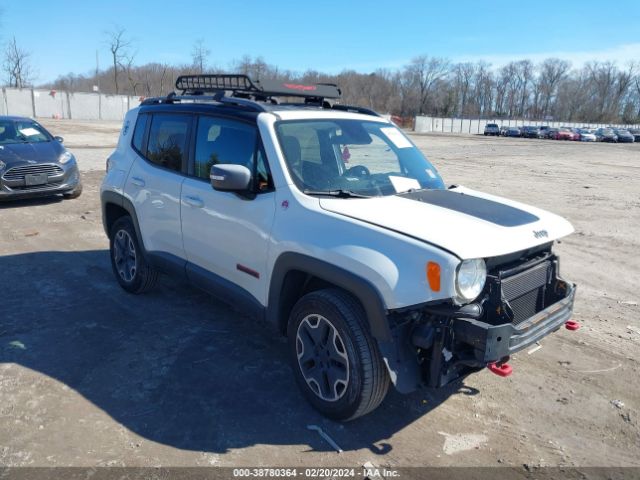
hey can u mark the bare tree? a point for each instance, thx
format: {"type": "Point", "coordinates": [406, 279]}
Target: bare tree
{"type": "Point", "coordinates": [463, 76]}
{"type": "Point", "coordinates": [598, 92]}
{"type": "Point", "coordinates": [199, 55]}
{"type": "Point", "coordinates": [552, 71]}
{"type": "Point", "coordinates": [524, 73]}
{"type": "Point", "coordinates": [128, 66]}
{"type": "Point", "coordinates": [118, 46]}
{"type": "Point", "coordinates": [17, 65]}
{"type": "Point", "coordinates": [426, 72]}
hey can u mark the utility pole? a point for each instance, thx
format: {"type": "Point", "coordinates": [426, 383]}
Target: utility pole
{"type": "Point", "coordinates": [97, 85]}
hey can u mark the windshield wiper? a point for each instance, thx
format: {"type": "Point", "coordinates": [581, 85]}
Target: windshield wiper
{"type": "Point", "coordinates": [412, 190]}
{"type": "Point", "coordinates": [340, 193]}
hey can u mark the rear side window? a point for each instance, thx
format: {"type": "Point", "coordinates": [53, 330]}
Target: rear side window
{"type": "Point", "coordinates": [138, 134]}
{"type": "Point", "coordinates": [168, 140]}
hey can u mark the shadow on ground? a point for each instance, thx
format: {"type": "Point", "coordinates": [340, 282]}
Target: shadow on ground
{"type": "Point", "coordinates": [174, 366]}
{"type": "Point", "coordinates": [30, 202]}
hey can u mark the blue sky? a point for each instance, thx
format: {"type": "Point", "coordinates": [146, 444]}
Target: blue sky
{"type": "Point", "coordinates": [323, 35]}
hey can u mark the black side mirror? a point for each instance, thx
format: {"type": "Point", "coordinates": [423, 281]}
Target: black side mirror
{"type": "Point", "coordinates": [230, 178]}
{"type": "Point", "coordinates": [59, 139]}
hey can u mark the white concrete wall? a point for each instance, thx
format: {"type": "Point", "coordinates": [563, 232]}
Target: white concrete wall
{"type": "Point", "coordinates": [114, 107]}
{"type": "Point", "coordinates": [84, 106]}
{"type": "Point", "coordinates": [19, 102]}
{"type": "Point", "coordinates": [3, 103]}
{"type": "Point", "coordinates": [425, 124]}
{"type": "Point", "coordinates": [50, 104]}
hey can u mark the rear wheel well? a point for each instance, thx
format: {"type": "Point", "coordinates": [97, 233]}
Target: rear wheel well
{"type": "Point", "coordinates": [112, 213]}
{"type": "Point", "coordinates": [296, 284]}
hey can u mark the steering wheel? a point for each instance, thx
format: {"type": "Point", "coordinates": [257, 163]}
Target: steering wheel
{"type": "Point", "coordinates": [359, 171]}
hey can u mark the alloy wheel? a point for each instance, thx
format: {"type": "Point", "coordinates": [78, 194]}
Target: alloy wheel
{"type": "Point", "coordinates": [322, 357]}
{"type": "Point", "coordinates": [124, 255]}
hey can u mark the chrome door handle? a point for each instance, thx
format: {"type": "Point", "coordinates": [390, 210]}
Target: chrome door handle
{"type": "Point", "coordinates": [193, 201]}
{"type": "Point", "coordinates": [137, 181]}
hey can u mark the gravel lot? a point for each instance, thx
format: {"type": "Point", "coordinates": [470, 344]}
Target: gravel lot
{"type": "Point", "coordinates": [91, 376]}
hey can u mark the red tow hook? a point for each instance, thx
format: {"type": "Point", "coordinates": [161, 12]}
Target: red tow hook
{"type": "Point", "coordinates": [502, 370]}
{"type": "Point", "coordinates": [572, 325]}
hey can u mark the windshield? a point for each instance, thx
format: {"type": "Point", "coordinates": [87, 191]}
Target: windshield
{"type": "Point", "coordinates": [27, 131]}
{"type": "Point", "coordinates": [362, 157]}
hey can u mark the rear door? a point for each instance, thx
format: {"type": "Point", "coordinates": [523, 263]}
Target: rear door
{"type": "Point", "coordinates": [155, 181]}
{"type": "Point", "coordinates": [226, 236]}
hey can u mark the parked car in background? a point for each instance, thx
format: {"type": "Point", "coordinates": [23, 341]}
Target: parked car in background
{"type": "Point", "coordinates": [513, 132]}
{"type": "Point", "coordinates": [550, 133]}
{"type": "Point", "coordinates": [569, 133]}
{"type": "Point", "coordinates": [503, 130]}
{"type": "Point", "coordinates": [562, 133]}
{"type": "Point", "coordinates": [586, 135]}
{"type": "Point", "coordinates": [34, 163]}
{"type": "Point", "coordinates": [624, 136]}
{"type": "Point", "coordinates": [636, 134]}
{"type": "Point", "coordinates": [530, 132]}
{"type": "Point", "coordinates": [542, 131]}
{"type": "Point", "coordinates": [492, 129]}
{"type": "Point", "coordinates": [606, 135]}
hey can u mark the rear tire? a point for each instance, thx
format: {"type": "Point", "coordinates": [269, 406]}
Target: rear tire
{"type": "Point", "coordinates": [130, 267]}
{"type": "Point", "coordinates": [336, 362]}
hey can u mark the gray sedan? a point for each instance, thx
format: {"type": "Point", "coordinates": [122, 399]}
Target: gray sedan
{"type": "Point", "coordinates": [34, 163]}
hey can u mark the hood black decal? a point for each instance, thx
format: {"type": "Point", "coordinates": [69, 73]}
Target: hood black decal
{"type": "Point", "coordinates": [488, 210]}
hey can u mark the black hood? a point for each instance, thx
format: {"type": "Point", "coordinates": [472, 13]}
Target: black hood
{"type": "Point", "coordinates": [15, 154]}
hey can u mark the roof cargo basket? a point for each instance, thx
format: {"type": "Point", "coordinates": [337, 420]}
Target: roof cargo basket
{"type": "Point", "coordinates": [243, 86]}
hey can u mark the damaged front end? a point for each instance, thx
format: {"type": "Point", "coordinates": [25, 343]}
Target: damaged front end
{"type": "Point", "coordinates": [524, 300]}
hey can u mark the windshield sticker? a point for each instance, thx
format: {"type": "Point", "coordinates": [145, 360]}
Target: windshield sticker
{"type": "Point", "coordinates": [28, 132]}
{"type": "Point", "coordinates": [402, 184]}
{"type": "Point", "coordinates": [396, 137]}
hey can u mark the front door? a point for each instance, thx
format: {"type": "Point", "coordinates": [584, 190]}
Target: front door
{"type": "Point", "coordinates": [225, 234]}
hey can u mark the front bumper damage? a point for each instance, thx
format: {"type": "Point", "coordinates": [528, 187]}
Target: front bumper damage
{"type": "Point", "coordinates": [435, 344]}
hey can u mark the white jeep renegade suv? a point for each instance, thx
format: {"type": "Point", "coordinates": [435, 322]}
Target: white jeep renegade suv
{"type": "Point", "coordinates": [326, 221]}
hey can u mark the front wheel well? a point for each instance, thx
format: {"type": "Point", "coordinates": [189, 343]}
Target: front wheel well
{"type": "Point", "coordinates": [296, 284]}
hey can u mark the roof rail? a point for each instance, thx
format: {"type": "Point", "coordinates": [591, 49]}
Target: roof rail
{"type": "Point", "coordinates": [354, 109]}
{"type": "Point", "coordinates": [172, 98]}
{"type": "Point", "coordinates": [243, 86]}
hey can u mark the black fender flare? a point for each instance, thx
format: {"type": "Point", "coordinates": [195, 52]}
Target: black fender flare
{"type": "Point", "coordinates": [121, 201]}
{"type": "Point", "coordinates": [362, 289]}
{"type": "Point", "coordinates": [400, 359]}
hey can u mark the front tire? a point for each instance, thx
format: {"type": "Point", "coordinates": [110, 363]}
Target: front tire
{"type": "Point", "coordinates": [130, 267]}
{"type": "Point", "coordinates": [336, 362]}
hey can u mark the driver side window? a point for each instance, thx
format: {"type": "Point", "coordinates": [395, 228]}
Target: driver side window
{"type": "Point", "coordinates": [223, 141]}
{"type": "Point", "coordinates": [219, 140]}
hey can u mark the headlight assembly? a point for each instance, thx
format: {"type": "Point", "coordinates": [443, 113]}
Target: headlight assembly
{"type": "Point", "coordinates": [471, 276]}
{"type": "Point", "coordinates": [65, 157]}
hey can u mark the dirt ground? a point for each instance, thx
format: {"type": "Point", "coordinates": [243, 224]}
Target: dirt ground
{"type": "Point", "coordinates": [92, 376]}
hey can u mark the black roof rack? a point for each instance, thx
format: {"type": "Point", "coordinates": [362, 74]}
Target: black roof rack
{"type": "Point", "coordinates": [243, 86]}
{"type": "Point", "coordinates": [255, 96]}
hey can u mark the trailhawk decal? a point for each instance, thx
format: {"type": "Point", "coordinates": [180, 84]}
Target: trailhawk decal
{"type": "Point", "coordinates": [494, 212]}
